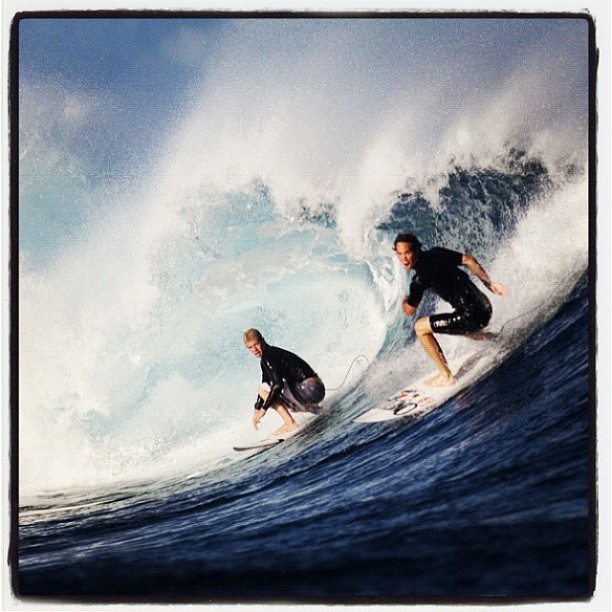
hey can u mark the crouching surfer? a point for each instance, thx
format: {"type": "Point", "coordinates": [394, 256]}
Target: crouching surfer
{"type": "Point", "coordinates": [288, 383]}
{"type": "Point", "coordinates": [438, 270]}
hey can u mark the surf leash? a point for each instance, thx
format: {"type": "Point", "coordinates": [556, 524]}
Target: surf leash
{"type": "Point", "coordinates": [519, 316]}
{"type": "Point", "coordinates": [349, 371]}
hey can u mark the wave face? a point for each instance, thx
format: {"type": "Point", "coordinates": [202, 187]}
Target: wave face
{"type": "Point", "coordinates": [486, 495]}
{"type": "Point", "coordinates": [270, 198]}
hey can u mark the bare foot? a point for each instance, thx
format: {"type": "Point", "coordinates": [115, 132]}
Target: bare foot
{"type": "Point", "coordinates": [442, 380]}
{"type": "Point", "coordinates": [285, 429]}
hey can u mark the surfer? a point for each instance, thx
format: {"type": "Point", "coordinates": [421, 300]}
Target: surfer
{"type": "Point", "coordinates": [288, 383]}
{"type": "Point", "coordinates": [438, 270]}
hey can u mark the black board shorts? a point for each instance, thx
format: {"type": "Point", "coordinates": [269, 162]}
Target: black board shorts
{"type": "Point", "coordinates": [465, 321]}
{"type": "Point", "coordinates": [309, 392]}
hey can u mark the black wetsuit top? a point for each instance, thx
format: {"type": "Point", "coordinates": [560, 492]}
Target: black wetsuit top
{"type": "Point", "coordinates": [278, 365]}
{"type": "Point", "coordinates": [438, 270]}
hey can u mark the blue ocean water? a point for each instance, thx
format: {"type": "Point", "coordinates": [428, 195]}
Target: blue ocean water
{"type": "Point", "coordinates": [276, 207]}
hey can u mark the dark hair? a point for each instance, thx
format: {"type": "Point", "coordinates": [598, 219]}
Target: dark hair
{"type": "Point", "coordinates": [411, 239]}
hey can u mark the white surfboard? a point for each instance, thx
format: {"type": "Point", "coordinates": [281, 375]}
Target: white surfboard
{"type": "Point", "coordinates": [271, 441]}
{"type": "Point", "coordinates": [260, 444]}
{"type": "Point", "coordinates": [417, 399]}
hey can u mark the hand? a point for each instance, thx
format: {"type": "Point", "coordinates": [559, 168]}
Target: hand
{"type": "Point", "coordinates": [257, 415]}
{"type": "Point", "coordinates": [407, 308]}
{"type": "Point", "coordinates": [498, 289]}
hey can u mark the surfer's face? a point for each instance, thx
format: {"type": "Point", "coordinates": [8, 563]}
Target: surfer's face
{"type": "Point", "coordinates": [406, 255]}
{"type": "Point", "coordinates": [255, 347]}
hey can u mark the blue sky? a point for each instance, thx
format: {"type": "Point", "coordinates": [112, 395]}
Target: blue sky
{"type": "Point", "coordinates": [155, 59]}
{"type": "Point", "coordinates": [111, 52]}
{"type": "Point", "coordinates": [146, 66]}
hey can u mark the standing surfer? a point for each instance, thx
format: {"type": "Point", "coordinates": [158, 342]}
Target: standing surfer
{"type": "Point", "coordinates": [288, 382]}
{"type": "Point", "coordinates": [438, 270]}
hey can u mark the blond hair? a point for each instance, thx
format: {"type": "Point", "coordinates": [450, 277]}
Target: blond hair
{"type": "Point", "coordinates": [253, 334]}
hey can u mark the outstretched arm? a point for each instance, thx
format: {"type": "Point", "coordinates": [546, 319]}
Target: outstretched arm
{"type": "Point", "coordinates": [479, 272]}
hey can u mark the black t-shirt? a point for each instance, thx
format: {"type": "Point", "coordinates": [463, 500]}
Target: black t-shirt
{"type": "Point", "coordinates": [438, 270]}
{"type": "Point", "coordinates": [278, 365]}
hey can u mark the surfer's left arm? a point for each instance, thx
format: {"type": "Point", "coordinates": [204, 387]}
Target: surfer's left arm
{"type": "Point", "coordinates": [472, 264]}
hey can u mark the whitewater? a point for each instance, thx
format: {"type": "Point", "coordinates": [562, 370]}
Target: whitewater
{"type": "Point", "coordinates": [271, 200]}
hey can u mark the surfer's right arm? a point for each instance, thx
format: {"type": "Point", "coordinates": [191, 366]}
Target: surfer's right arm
{"type": "Point", "coordinates": [264, 392]}
{"type": "Point", "coordinates": [262, 396]}
{"type": "Point", "coordinates": [411, 302]}
{"type": "Point", "coordinates": [274, 382]}
{"type": "Point", "coordinates": [257, 416]}
{"type": "Point", "coordinates": [271, 386]}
